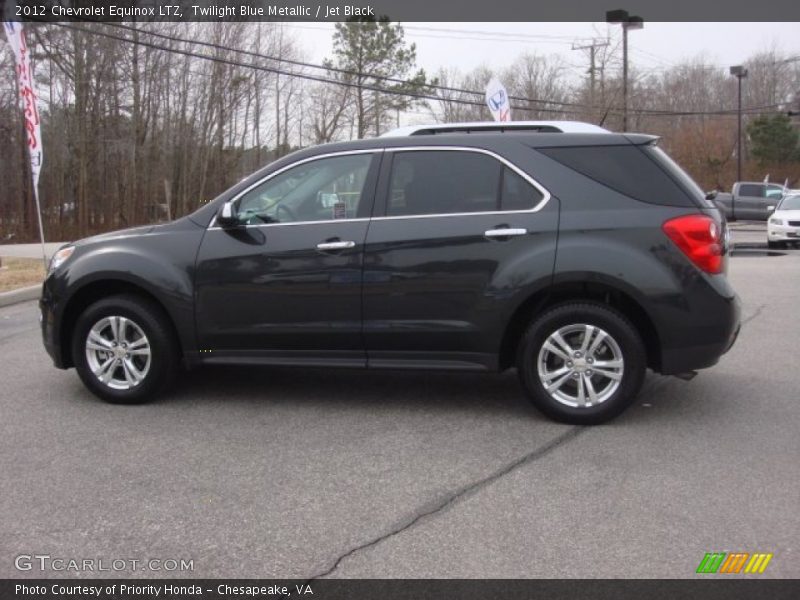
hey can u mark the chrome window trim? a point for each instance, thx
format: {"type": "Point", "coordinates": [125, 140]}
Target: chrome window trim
{"type": "Point", "coordinates": [237, 197]}
{"type": "Point", "coordinates": [538, 186]}
{"type": "Point", "coordinates": [545, 193]}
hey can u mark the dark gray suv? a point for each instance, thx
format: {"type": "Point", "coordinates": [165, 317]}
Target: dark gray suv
{"type": "Point", "coordinates": [578, 256]}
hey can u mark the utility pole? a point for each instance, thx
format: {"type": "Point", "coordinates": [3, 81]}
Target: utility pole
{"type": "Point", "coordinates": [740, 73]}
{"type": "Point", "coordinates": [621, 17]}
{"type": "Point", "coordinates": [592, 48]}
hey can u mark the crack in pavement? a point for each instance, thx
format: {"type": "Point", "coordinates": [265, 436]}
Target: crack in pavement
{"type": "Point", "coordinates": [756, 313]}
{"type": "Point", "coordinates": [459, 494]}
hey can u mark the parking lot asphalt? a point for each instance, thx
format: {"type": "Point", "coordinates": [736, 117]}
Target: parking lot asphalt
{"type": "Point", "coordinates": [308, 473]}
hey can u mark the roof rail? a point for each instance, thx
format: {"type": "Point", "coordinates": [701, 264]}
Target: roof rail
{"type": "Point", "coordinates": [489, 127]}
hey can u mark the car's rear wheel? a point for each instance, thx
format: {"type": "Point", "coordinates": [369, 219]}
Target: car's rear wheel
{"type": "Point", "coordinates": [581, 363]}
{"type": "Point", "coordinates": [123, 349]}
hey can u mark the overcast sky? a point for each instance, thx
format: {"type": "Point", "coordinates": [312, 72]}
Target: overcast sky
{"type": "Point", "coordinates": [658, 45]}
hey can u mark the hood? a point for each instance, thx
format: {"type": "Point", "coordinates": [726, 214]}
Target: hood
{"type": "Point", "coordinates": [131, 231]}
{"type": "Point", "coordinates": [792, 215]}
{"type": "Point", "coordinates": [180, 224]}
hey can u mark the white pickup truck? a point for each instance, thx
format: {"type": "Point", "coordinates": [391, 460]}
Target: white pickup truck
{"type": "Point", "coordinates": [749, 200]}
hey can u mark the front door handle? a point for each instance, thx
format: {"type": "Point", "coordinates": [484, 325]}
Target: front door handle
{"type": "Point", "coordinates": [340, 245]}
{"type": "Point", "coordinates": [505, 232]}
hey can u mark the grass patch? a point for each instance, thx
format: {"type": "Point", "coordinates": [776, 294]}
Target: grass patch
{"type": "Point", "coordinates": [20, 272]}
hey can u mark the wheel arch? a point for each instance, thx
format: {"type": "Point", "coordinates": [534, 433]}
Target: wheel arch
{"type": "Point", "coordinates": [609, 293]}
{"type": "Point", "coordinates": [98, 289]}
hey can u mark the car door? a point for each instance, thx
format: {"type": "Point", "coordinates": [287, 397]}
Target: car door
{"type": "Point", "coordinates": [285, 285]}
{"type": "Point", "coordinates": [457, 234]}
{"type": "Point", "coordinates": [750, 201]}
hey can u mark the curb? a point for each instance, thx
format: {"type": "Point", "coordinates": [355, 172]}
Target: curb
{"type": "Point", "coordinates": [21, 295]}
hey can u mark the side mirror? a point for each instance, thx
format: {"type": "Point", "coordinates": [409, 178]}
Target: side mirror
{"type": "Point", "coordinates": [226, 217]}
{"type": "Point", "coordinates": [711, 195]}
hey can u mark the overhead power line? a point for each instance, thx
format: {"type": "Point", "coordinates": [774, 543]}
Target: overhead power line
{"type": "Point", "coordinates": [343, 83]}
{"type": "Point", "coordinates": [370, 86]}
{"type": "Point", "coordinates": [330, 68]}
{"type": "Point", "coordinates": [468, 34]}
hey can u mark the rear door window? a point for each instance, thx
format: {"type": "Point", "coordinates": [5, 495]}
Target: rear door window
{"type": "Point", "coordinates": [516, 193]}
{"type": "Point", "coordinates": [751, 190]}
{"type": "Point", "coordinates": [441, 182]}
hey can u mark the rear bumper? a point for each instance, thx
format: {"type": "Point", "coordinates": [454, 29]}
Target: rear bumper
{"type": "Point", "coordinates": [718, 332]}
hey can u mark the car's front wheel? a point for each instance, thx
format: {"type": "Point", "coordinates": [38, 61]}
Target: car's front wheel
{"type": "Point", "coordinates": [123, 349]}
{"type": "Point", "coordinates": [581, 363]}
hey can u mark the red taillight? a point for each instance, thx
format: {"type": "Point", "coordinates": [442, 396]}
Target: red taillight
{"type": "Point", "coordinates": [700, 238]}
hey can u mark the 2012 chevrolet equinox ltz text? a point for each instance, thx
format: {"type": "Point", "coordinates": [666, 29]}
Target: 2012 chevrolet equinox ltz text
{"type": "Point", "coordinates": [579, 256]}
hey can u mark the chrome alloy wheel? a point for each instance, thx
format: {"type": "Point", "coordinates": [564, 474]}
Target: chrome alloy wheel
{"type": "Point", "coordinates": [580, 365]}
{"type": "Point", "coordinates": [118, 352]}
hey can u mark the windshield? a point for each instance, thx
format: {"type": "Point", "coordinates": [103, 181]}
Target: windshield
{"type": "Point", "coordinates": [790, 203]}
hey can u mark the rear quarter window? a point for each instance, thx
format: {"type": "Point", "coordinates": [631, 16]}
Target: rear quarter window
{"type": "Point", "coordinates": [629, 170]}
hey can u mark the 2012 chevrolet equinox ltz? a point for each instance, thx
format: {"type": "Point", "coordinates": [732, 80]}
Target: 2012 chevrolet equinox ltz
{"type": "Point", "coordinates": [578, 256]}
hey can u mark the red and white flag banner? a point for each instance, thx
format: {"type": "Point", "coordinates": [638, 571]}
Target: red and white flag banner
{"type": "Point", "coordinates": [28, 100]}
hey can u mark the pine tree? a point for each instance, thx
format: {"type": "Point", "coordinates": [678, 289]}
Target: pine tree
{"type": "Point", "coordinates": [774, 140]}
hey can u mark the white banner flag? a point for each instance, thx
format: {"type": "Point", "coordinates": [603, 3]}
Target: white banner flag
{"type": "Point", "coordinates": [497, 100]}
{"type": "Point", "coordinates": [16, 38]}
{"type": "Point", "coordinates": [30, 109]}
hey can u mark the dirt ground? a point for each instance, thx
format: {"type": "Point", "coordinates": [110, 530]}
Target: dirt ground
{"type": "Point", "coordinates": [20, 272]}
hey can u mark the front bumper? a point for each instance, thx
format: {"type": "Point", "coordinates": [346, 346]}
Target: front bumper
{"type": "Point", "coordinates": [783, 233]}
{"type": "Point", "coordinates": [48, 317]}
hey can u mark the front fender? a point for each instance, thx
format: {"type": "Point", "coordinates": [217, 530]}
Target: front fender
{"type": "Point", "coordinates": [159, 263]}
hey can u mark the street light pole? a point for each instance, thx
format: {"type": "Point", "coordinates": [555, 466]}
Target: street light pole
{"type": "Point", "coordinates": [624, 77]}
{"type": "Point", "coordinates": [621, 17]}
{"type": "Point", "coordinates": [740, 73]}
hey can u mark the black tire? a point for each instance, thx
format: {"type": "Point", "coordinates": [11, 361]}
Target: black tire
{"type": "Point", "coordinates": [776, 245]}
{"type": "Point", "coordinates": [627, 341]}
{"type": "Point", "coordinates": [151, 320]}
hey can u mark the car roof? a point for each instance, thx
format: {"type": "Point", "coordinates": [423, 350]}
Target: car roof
{"type": "Point", "coordinates": [486, 140]}
{"type": "Point", "coordinates": [483, 126]}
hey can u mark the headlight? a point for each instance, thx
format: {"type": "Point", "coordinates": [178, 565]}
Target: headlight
{"type": "Point", "coordinates": [60, 257]}
{"type": "Point", "coordinates": [775, 222]}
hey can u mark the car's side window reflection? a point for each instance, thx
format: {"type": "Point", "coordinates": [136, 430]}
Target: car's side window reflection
{"type": "Point", "coordinates": [424, 182]}
{"type": "Point", "coordinates": [320, 190]}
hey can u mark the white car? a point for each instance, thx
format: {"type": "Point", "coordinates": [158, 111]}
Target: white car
{"type": "Point", "coordinates": [783, 225]}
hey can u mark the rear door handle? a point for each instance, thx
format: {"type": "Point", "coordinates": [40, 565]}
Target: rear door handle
{"type": "Point", "coordinates": [505, 232]}
{"type": "Point", "coordinates": [336, 245]}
